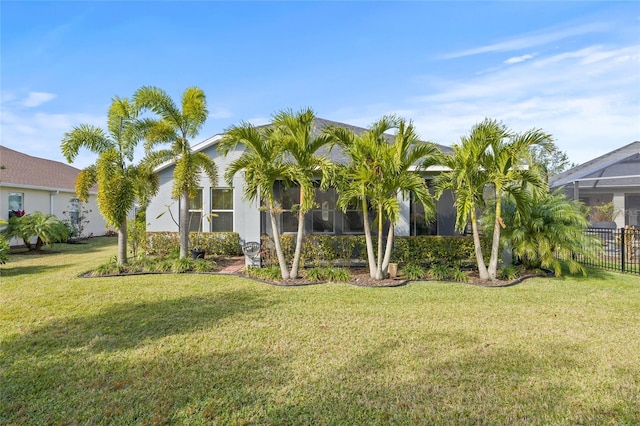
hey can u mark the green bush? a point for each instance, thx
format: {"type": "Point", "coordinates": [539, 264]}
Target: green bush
{"type": "Point", "coordinates": [4, 251]}
{"type": "Point", "coordinates": [413, 271]}
{"type": "Point", "coordinates": [328, 274]}
{"type": "Point", "coordinates": [327, 250]}
{"type": "Point", "coordinates": [271, 273]}
{"type": "Point", "coordinates": [165, 244]}
{"type": "Point", "coordinates": [510, 272]}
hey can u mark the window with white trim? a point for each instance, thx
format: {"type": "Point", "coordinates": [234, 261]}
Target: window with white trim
{"type": "Point", "coordinates": [195, 212]}
{"type": "Point", "coordinates": [221, 210]}
{"type": "Point", "coordinates": [16, 204]}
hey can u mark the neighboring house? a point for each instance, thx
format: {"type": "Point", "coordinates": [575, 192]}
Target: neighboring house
{"type": "Point", "coordinates": [230, 212]}
{"type": "Point", "coordinates": [614, 176]}
{"type": "Point", "coordinates": [32, 184]}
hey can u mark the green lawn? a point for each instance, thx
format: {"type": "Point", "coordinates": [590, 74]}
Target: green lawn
{"type": "Point", "coordinates": [210, 349]}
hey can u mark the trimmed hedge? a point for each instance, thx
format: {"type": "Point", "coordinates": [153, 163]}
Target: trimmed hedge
{"type": "Point", "coordinates": [320, 250]}
{"type": "Point", "coordinates": [214, 243]}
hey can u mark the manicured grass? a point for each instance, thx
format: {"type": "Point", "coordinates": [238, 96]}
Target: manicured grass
{"type": "Point", "coordinates": [209, 349]}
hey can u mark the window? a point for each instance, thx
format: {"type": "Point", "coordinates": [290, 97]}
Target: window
{"type": "Point", "coordinates": [74, 212]}
{"type": "Point", "coordinates": [16, 206]}
{"type": "Point", "coordinates": [195, 212]}
{"type": "Point", "coordinates": [289, 199]}
{"type": "Point", "coordinates": [352, 220]}
{"type": "Point", "coordinates": [417, 220]}
{"type": "Point", "coordinates": [222, 210]}
{"type": "Point", "coordinates": [323, 215]}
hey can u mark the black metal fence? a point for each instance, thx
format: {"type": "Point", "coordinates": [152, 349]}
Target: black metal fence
{"type": "Point", "coordinates": [620, 250]}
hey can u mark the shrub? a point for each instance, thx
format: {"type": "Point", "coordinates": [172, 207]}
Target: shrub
{"type": "Point", "coordinates": [181, 265]}
{"type": "Point", "coordinates": [459, 275]}
{"type": "Point", "coordinates": [413, 271]}
{"type": "Point", "coordinates": [47, 228]}
{"type": "Point", "coordinates": [510, 272]}
{"type": "Point", "coordinates": [4, 251]}
{"type": "Point", "coordinates": [441, 272]}
{"type": "Point", "coordinates": [328, 274]}
{"type": "Point", "coordinates": [271, 273]}
{"type": "Point", "coordinates": [202, 265]}
{"type": "Point", "coordinates": [327, 250]}
{"type": "Point", "coordinates": [164, 244]}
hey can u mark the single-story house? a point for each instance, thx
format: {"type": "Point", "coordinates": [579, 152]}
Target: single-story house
{"type": "Point", "coordinates": [230, 212]}
{"type": "Point", "coordinates": [32, 184]}
{"type": "Point", "coordinates": [612, 177]}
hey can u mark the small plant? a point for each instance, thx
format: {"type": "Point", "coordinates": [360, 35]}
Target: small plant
{"type": "Point", "coordinates": [110, 268]}
{"type": "Point", "coordinates": [413, 271]}
{"type": "Point", "coordinates": [510, 272]}
{"type": "Point", "coordinates": [315, 274]}
{"type": "Point", "coordinates": [269, 273]}
{"type": "Point", "coordinates": [164, 265]}
{"type": "Point", "coordinates": [135, 235]}
{"type": "Point", "coordinates": [202, 265]}
{"type": "Point", "coordinates": [181, 265]}
{"type": "Point", "coordinates": [4, 251]}
{"type": "Point", "coordinates": [441, 272]}
{"type": "Point", "coordinates": [338, 274]}
{"type": "Point", "coordinates": [459, 275]}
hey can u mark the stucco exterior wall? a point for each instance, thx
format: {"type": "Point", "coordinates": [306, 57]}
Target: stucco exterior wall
{"type": "Point", "coordinates": [56, 202]}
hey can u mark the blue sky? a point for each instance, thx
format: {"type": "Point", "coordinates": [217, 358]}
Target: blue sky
{"type": "Point", "coordinates": [570, 68]}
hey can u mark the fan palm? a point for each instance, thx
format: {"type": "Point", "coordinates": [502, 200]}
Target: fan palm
{"type": "Point", "coordinates": [175, 126]}
{"type": "Point", "coordinates": [296, 131]}
{"type": "Point", "coordinates": [263, 165]}
{"type": "Point", "coordinates": [378, 172]}
{"type": "Point", "coordinates": [113, 172]}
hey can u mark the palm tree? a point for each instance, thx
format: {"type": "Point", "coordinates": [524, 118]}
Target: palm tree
{"type": "Point", "coordinates": [175, 126]}
{"type": "Point", "coordinates": [299, 141]}
{"type": "Point", "coordinates": [263, 165]}
{"type": "Point", "coordinates": [490, 155]}
{"type": "Point", "coordinates": [510, 170]}
{"type": "Point", "coordinates": [113, 171]}
{"type": "Point", "coordinates": [545, 230]}
{"type": "Point", "coordinates": [378, 172]}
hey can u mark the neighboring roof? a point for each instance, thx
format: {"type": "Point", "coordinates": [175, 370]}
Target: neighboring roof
{"type": "Point", "coordinates": [620, 167]}
{"type": "Point", "coordinates": [334, 155]}
{"type": "Point", "coordinates": [24, 171]}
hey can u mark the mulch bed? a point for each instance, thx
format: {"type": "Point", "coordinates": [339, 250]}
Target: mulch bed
{"type": "Point", "coordinates": [360, 277]}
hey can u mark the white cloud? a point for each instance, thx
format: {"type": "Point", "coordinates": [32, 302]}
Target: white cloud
{"type": "Point", "coordinates": [35, 99]}
{"type": "Point", "coordinates": [531, 40]}
{"type": "Point", "coordinates": [587, 99]}
{"type": "Point", "coordinates": [517, 59]}
{"type": "Point", "coordinates": [39, 134]}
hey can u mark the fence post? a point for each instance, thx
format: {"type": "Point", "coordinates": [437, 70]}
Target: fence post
{"type": "Point", "coordinates": [622, 249]}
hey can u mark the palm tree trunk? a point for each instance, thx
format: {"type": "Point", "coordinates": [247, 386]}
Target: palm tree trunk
{"type": "Point", "coordinates": [380, 228]}
{"type": "Point", "coordinates": [482, 269]}
{"type": "Point", "coordinates": [299, 237]}
{"type": "Point", "coordinates": [495, 243]}
{"type": "Point", "coordinates": [284, 271]}
{"type": "Point", "coordinates": [184, 224]}
{"type": "Point", "coordinates": [388, 249]}
{"type": "Point", "coordinates": [122, 242]}
{"type": "Point", "coordinates": [368, 239]}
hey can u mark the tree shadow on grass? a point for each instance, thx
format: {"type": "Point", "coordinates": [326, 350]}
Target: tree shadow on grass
{"type": "Point", "coordinates": [12, 271]}
{"type": "Point", "coordinates": [128, 325]}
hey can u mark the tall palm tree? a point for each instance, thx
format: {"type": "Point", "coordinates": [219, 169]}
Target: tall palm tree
{"type": "Point", "coordinates": [113, 172]}
{"type": "Point", "coordinates": [510, 170]}
{"type": "Point", "coordinates": [175, 126]}
{"type": "Point", "coordinates": [263, 165]}
{"type": "Point", "coordinates": [467, 180]}
{"type": "Point", "coordinates": [377, 174]}
{"type": "Point", "coordinates": [490, 156]}
{"type": "Point", "coordinates": [301, 144]}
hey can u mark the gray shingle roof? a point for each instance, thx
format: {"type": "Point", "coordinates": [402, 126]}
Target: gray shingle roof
{"type": "Point", "coordinates": [32, 172]}
{"type": "Point", "coordinates": [624, 161]}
